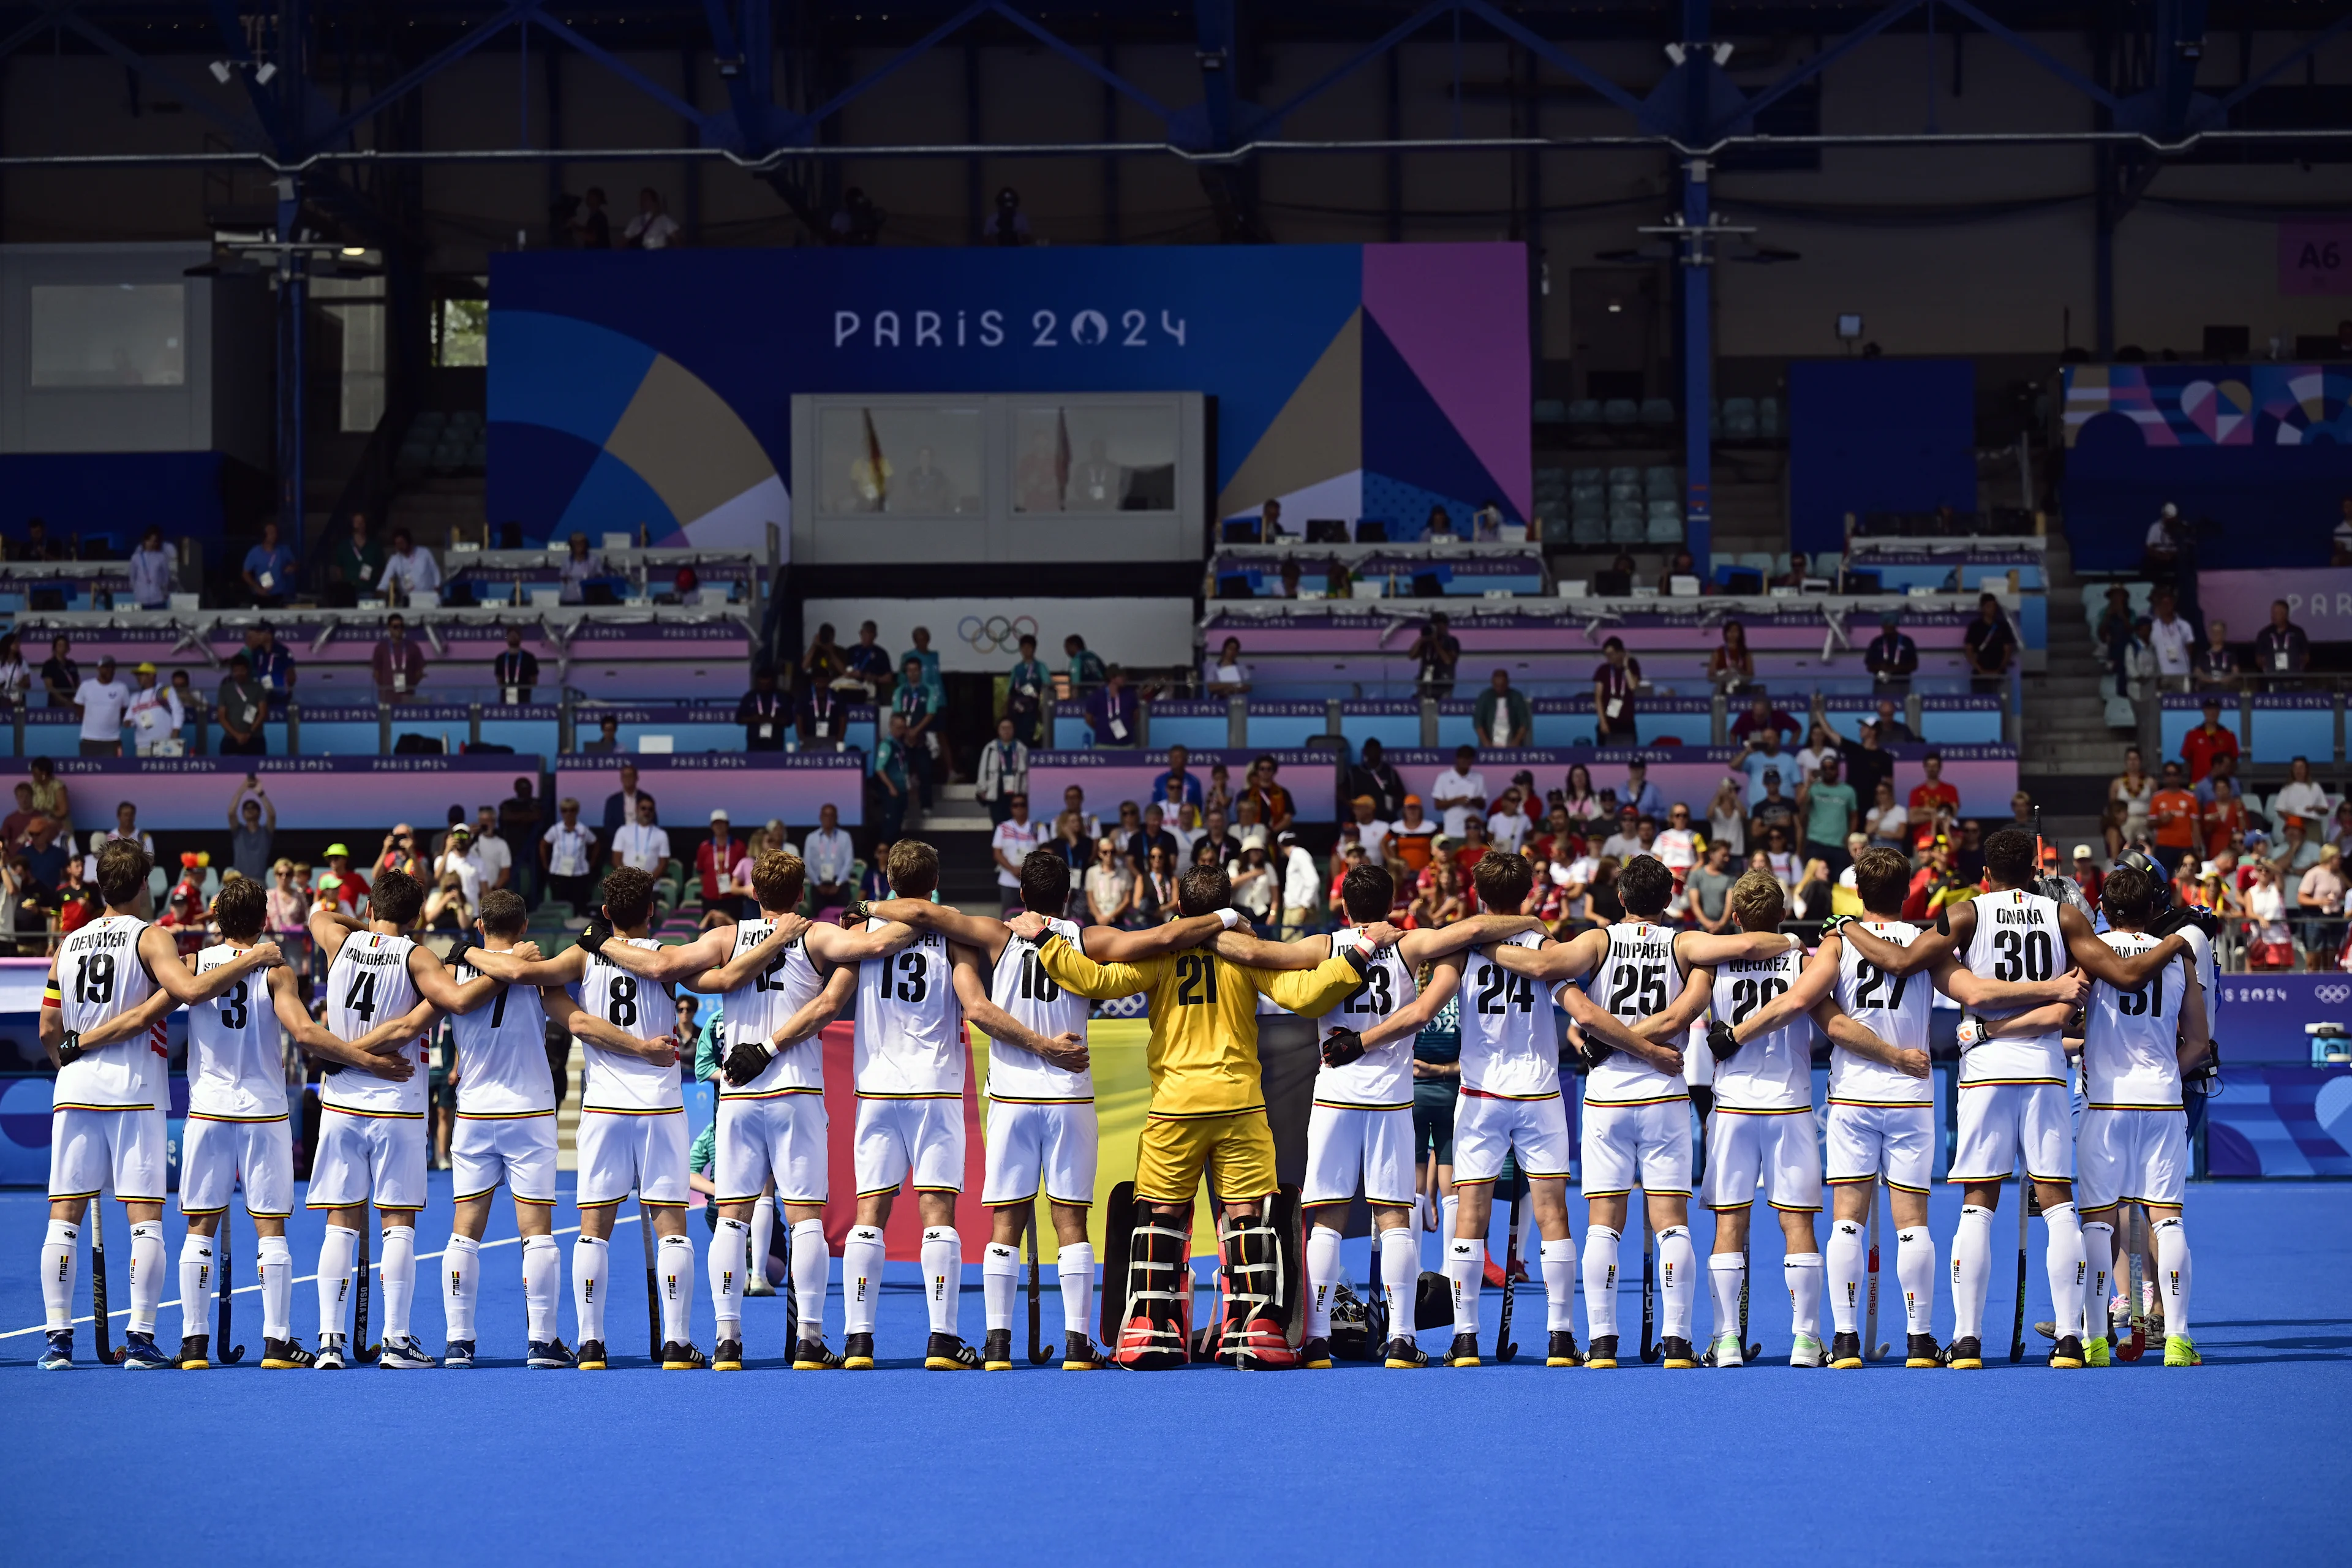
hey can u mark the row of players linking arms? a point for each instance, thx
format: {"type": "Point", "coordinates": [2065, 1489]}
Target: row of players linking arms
{"type": "Point", "coordinates": [1652, 1012]}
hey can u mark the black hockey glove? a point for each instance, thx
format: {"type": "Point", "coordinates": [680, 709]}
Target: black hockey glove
{"type": "Point", "coordinates": [855, 913]}
{"type": "Point", "coordinates": [1596, 1050]}
{"type": "Point", "coordinates": [599, 932]}
{"type": "Point", "coordinates": [747, 1061]}
{"type": "Point", "coordinates": [1342, 1047]}
{"type": "Point", "coordinates": [1720, 1040]}
{"type": "Point", "coordinates": [70, 1048]}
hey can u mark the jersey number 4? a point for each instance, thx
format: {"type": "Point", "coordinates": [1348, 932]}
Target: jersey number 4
{"type": "Point", "coordinates": [359, 1000]}
{"type": "Point", "coordinates": [1641, 992]}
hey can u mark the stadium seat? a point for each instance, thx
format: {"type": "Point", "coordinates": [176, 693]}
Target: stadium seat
{"type": "Point", "coordinates": [1550, 411]}
{"type": "Point", "coordinates": [1767, 418]}
{"type": "Point", "coordinates": [1740, 418]}
{"type": "Point", "coordinates": [1619, 411]}
{"type": "Point", "coordinates": [1584, 411]}
{"type": "Point", "coordinates": [1657, 411]}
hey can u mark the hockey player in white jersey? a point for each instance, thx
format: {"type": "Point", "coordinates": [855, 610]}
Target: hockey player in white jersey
{"type": "Point", "coordinates": [237, 1128]}
{"type": "Point", "coordinates": [782, 980]}
{"type": "Point", "coordinates": [2014, 1091]}
{"type": "Point", "coordinates": [109, 1107]}
{"type": "Point", "coordinates": [371, 1129]}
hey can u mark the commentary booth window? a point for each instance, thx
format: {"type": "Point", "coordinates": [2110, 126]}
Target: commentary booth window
{"type": "Point", "coordinates": [1095, 457]}
{"type": "Point", "coordinates": [908, 462]}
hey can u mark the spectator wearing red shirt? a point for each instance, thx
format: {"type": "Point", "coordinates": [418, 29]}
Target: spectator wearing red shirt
{"type": "Point", "coordinates": [714, 862]}
{"type": "Point", "coordinates": [1932, 804]}
{"type": "Point", "coordinates": [2223, 818]}
{"type": "Point", "coordinates": [2173, 815]}
{"type": "Point", "coordinates": [2087, 875]}
{"type": "Point", "coordinates": [346, 889]}
{"type": "Point", "coordinates": [2207, 741]}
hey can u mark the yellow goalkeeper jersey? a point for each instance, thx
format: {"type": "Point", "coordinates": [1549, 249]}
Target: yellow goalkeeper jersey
{"type": "Point", "coordinates": [1203, 1051]}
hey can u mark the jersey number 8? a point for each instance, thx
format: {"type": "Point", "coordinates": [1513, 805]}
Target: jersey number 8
{"type": "Point", "coordinates": [621, 1002]}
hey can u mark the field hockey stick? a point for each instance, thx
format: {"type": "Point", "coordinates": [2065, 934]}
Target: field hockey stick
{"type": "Point", "coordinates": [106, 1352]}
{"type": "Point", "coordinates": [229, 1357]}
{"type": "Point", "coordinates": [1747, 1252]}
{"type": "Point", "coordinates": [2135, 1280]}
{"type": "Point", "coordinates": [1649, 1283]}
{"type": "Point", "coordinates": [361, 1348]}
{"type": "Point", "coordinates": [652, 1285]}
{"type": "Point", "coordinates": [2017, 1323]}
{"type": "Point", "coordinates": [1038, 1353]}
{"type": "Point", "coordinates": [1870, 1328]}
{"type": "Point", "coordinates": [1504, 1349]}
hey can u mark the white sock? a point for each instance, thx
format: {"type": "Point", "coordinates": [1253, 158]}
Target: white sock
{"type": "Point", "coordinates": [943, 1276]}
{"type": "Point", "coordinates": [763, 1236]}
{"type": "Point", "coordinates": [1915, 1271]}
{"type": "Point", "coordinates": [812, 1264]}
{"type": "Point", "coordinates": [1803, 1273]}
{"type": "Point", "coordinates": [461, 1268]}
{"type": "Point", "coordinates": [1678, 1281]}
{"type": "Point", "coordinates": [336, 1255]}
{"type": "Point", "coordinates": [674, 1272]}
{"type": "Point", "coordinates": [1971, 1271]}
{"type": "Point", "coordinates": [1466, 1272]}
{"type": "Point", "coordinates": [726, 1264]}
{"type": "Point", "coordinates": [2099, 1275]}
{"type": "Point", "coordinates": [1399, 1277]}
{"type": "Point", "coordinates": [146, 1274]}
{"type": "Point", "coordinates": [542, 1282]}
{"type": "Point", "coordinates": [1420, 1211]}
{"type": "Point", "coordinates": [2172, 1270]}
{"type": "Point", "coordinates": [590, 1257]}
{"type": "Point", "coordinates": [1000, 1281]}
{"type": "Point", "coordinates": [399, 1279]}
{"type": "Point", "coordinates": [1075, 1266]}
{"type": "Point", "coordinates": [2063, 1259]}
{"type": "Point", "coordinates": [195, 1283]}
{"type": "Point", "coordinates": [1600, 1280]}
{"type": "Point", "coordinates": [1560, 1285]}
{"type": "Point", "coordinates": [1323, 1271]}
{"type": "Point", "coordinates": [61, 1252]}
{"type": "Point", "coordinates": [275, 1259]}
{"type": "Point", "coordinates": [1845, 1259]}
{"type": "Point", "coordinates": [861, 1277]}
{"type": "Point", "coordinates": [1449, 1210]}
{"type": "Point", "coordinates": [1727, 1272]}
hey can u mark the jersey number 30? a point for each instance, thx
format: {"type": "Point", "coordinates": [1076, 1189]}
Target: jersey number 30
{"type": "Point", "coordinates": [2023, 955]}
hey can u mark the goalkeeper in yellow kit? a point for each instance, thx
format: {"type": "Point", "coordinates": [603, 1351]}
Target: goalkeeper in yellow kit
{"type": "Point", "coordinates": [1208, 1113]}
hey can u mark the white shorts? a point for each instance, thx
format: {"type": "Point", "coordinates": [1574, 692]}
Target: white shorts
{"type": "Point", "coordinates": [1783, 1148]}
{"type": "Point", "coordinates": [1345, 1141]}
{"type": "Point", "coordinates": [779, 1135]}
{"type": "Point", "coordinates": [894, 1135]}
{"type": "Point", "coordinates": [1644, 1146]}
{"type": "Point", "coordinates": [214, 1151]}
{"type": "Point", "coordinates": [362, 1156]}
{"type": "Point", "coordinates": [2134, 1156]}
{"type": "Point", "coordinates": [1898, 1141]}
{"type": "Point", "coordinates": [1996, 1118]}
{"type": "Point", "coordinates": [90, 1149]}
{"type": "Point", "coordinates": [1034, 1146]}
{"type": "Point", "coordinates": [520, 1151]}
{"type": "Point", "coordinates": [626, 1149]}
{"type": "Point", "coordinates": [1486, 1127]}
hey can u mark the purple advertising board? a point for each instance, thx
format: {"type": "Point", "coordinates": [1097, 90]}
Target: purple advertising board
{"type": "Point", "coordinates": [185, 794]}
{"type": "Point", "coordinates": [1986, 776]}
{"type": "Point", "coordinates": [2318, 599]}
{"type": "Point", "coordinates": [750, 786]}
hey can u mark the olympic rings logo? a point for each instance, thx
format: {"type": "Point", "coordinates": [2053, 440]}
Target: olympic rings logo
{"type": "Point", "coordinates": [996, 633]}
{"type": "Point", "coordinates": [2332, 994]}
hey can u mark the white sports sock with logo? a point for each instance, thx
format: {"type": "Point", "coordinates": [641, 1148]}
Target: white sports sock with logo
{"type": "Point", "coordinates": [1466, 1272]}
{"type": "Point", "coordinates": [1076, 1267]}
{"type": "Point", "coordinates": [195, 1283]}
{"type": "Point", "coordinates": [61, 1252]}
{"type": "Point", "coordinates": [1449, 1208]}
{"type": "Point", "coordinates": [812, 1263]}
{"type": "Point", "coordinates": [2063, 1260]}
{"type": "Point", "coordinates": [2098, 1276]}
{"type": "Point", "coordinates": [674, 1272]}
{"type": "Point", "coordinates": [461, 1269]}
{"type": "Point", "coordinates": [1323, 1272]}
{"type": "Point", "coordinates": [1678, 1281]}
{"type": "Point", "coordinates": [542, 1282]}
{"type": "Point", "coordinates": [763, 1236]}
{"type": "Point", "coordinates": [590, 1257]}
{"type": "Point", "coordinates": [1971, 1271]}
{"type": "Point", "coordinates": [1000, 1282]}
{"type": "Point", "coordinates": [726, 1264]}
{"type": "Point", "coordinates": [1802, 1271]}
{"type": "Point", "coordinates": [1727, 1272]}
{"type": "Point", "coordinates": [861, 1277]}
{"type": "Point", "coordinates": [275, 1260]}
{"type": "Point", "coordinates": [1914, 1271]}
{"type": "Point", "coordinates": [2172, 1271]}
{"type": "Point", "coordinates": [1600, 1280]}
{"type": "Point", "coordinates": [1560, 1285]}
{"type": "Point", "coordinates": [943, 1276]}
{"type": "Point", "coordinates": [1399, 1277]}
{"type": "Point", "coordinates": [399, 1279]}
{"type": "Point", "coordinates": [337, 1253]}
{"type": "Point", "coordinates": [146, 1274]}
{"type": "Point", "coordinates": [1845, 1262]}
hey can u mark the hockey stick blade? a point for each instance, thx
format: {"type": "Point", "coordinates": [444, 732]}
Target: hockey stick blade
{"type": "Point", "coordinates": [1504, 1349]}
{"type": "Point", "coordinates": [1038, 1352]}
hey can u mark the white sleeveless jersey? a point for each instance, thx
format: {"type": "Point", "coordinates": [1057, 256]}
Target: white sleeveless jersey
{"type": "Point", "coordinates": [757, 1009]}
{"type": "Point", "coordinates": [1382, 1078]}
{"type": "Point", "coordinates": [1022, 987]}
{"type": "Point", "coordinates": [2130, 1037]}
{"type": "Point", "coordinates": [368, 983]}
{"type": "Point", "coordinates": [1774, 1072]}
{"type": "Point", "coordinates": [1637, 979]}
{"type": "Point", "coordinates": [909, 1024]}
{"type": "Point", "coordinates": [502, 1052]}
{"type": "Point", "coordinates": [2016, 938]}
{"type": "Point", "coordinates": [1511, 1049]}
{"type": "Point", "coordinates": [100, 976]}
{"type": "Point", "coordinates": [644, 1008]}
{"type": "Point", "coordinates": [237, 1068]}
{"type": "Point", "coordinates": [2200, 948]}
{"type": "Point", "coordinates": [1896, 1010]}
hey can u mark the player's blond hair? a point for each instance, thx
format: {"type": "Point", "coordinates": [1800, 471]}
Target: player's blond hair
{"type": "Point", "coordinates": [1758, 900]}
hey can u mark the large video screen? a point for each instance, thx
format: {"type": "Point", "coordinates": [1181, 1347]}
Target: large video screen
{"type": "Point", "coordinates": [110, 334]}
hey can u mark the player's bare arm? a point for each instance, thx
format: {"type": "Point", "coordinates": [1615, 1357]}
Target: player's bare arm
{"type": "Point", "coordinates": [1957, 925]}
{"type": "Point", "coordinates": [1420, 947]}
{"type": "Point", "coordinates": [978, 932]}
{"type": "Point", "coordinates": [316, 1041]}
{"type": "Point", "coordinates": [564, 969]}
{"type": "Point", "coordinates": [161, 954]}
{"type": "Point", "coordinates": [581, 1024]}
{"type": "Point", "coordinates": [2031, 1023]}
{"type": "Point", "coordinates": [1972, 990]}
{"type": "Point", "coordinates": [1067, 1051]}
{"type": "Point", "coordinates": [2104, 963]}
{"type": "Point", "coordinates": [1672, 1026]}
{"type": "Point", "coordinates": [437, 983]}
{"type": "Point", "coordinates": [831, 944]}
{"type": "Point", "coordinates": [129, 1023]}
{"type": "Point", "coordinates": [1844, 1030]}
{"type": "Point", "coordinates": [1599, 1023]}
{"type": "Point", "coordinates": [52, 1023]}
{"type": "Point", "coordinates": [330, 930]}
{"type": "Point", "coordinates": [2196, 1034]}
{"type": "Point", "coordinates": [1730, 947]}
{"type": "Point", "coordinates": [1553, 962]}
{"type": "Point", "coordinates": [1113, 945]}
{"type": "Point", "coordinates": [1817, 979]}
{"type": "Point", "coordinates": [394, 1036]}
{"type": "Point", "coordinates": [819, 1010]}
{"type": "Point", "coordinates": [1073, 970]}
{"type": "Point", "coordinates": [1445, 980]}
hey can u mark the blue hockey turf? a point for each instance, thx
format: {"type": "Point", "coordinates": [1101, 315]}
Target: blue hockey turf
{"type": "Point", "coordinates": [2225, 1463]}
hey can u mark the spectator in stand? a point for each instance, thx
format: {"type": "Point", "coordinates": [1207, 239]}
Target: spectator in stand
{"type": "Point", "coordinates": [928, 657]}
{"type": "Point", "coordinates": [621, 806]}
{"type": "Point", "coordinates": [1677, 844]}
{"type": "Point", "coordinates": [1774, 809]}
{"type": "Point", "coordinates": [1761, 755]}
{"type": "Point", "coordinates": [154, 567]}
{"type": "Point", "coordinates": [2162, 545]}
{"type": "Point", "coordinates": [1614, 683]}
{"type": "Point", "coordinates": [341, 888]}
{"type": "Point", "coordinates": [1025, 691]}
{"type": "Point", "coordinates": [2297, 851]}
{"type": "Point", "coordinates": [1412, 841]}
{"type": "Point", "coordinates": [2319, 892]}
{"type": "Point", "coordinates": [102, 702]}
{"type": "Point", "coordinates": [457, 858]}
{"type": "Point", "coordinates": [763, 712]}
{"type": "Point", "coordinates": [2173, 816]}
{"type": "Point", "coordinates": [1583, 805]}
{"type": "Point", "coordinates": [831, 856]}
{"type": "Point", "coordinates": [1991, 645]}
{"type": "Point", "coordinates": [1640, 792]}
{"type": "Point", "coordinates": [1275, 807]}
{"type": "Point", "coordinates": [399, 664]}
{"type": "Point", "coordinates": [252, 829]}
{"type": "Point", "coordinates": [60, 673]}
{"type": "Point", "coordinates": [2218, 665]}
{"type": "Point", "coordinates": [356, 565]}
{"type": "Point", "coordinates": [12, 830]}
{"type": "Point", "coordinates": [1933, 803]}
{"type": "Point", "coordinates": [607, 742]}
{"type": "Point", "coordinates": [715, 859]}
{"type": "Point", "coordinates": [1460, 791]}
{"type": "Point", "coordinates": [39, 546]}
{"type": "Point", "coordinates": [400, 851]}
{"type": "Point", "coordinates": [1892, 657]}
{"type": "Point", "coordinates": [2281, 648]}
{"type": "Point", "coordinates": [1868, 763]}
{"type": "Point", "coordinates": [825, 662]}
{"type": "Point", "coordinates": [2224, 767]}
{"type": "Point", "coordinates": [2299, 796]}
{"type": "Point", "coordinates": [2269, 941]}
{"type": "Point", "coordinates": [567, 856]}
{"type": "Point", "coordinates": [2087, 876]}
{"type": "Point", "coordinates": [868, 661]}
{"type": "Point", "coordinates": [1109, 886]}
{"type": "Point", "coordinates": [1222, 840]}
{"type": "Point", "coordinates": [643, 843]}
{"type": "Point", "coordinates": [1187, 781]}
{"type": "Point", "coordinates": [1471, 848]}
{"type": "Point", "coordinates": [273, 665]}
{"type": "Point", "coordinates": [1371, 832]}
{"type": "Point", "coordinates": [1708, 889]}
{"type": "Point", "coordinates": [579, 567]}
{"type": "Point", "coordinates": [1111, 712]}
{"type": "Point", "coordinates": [1892, 730]}
{"type": "Point", "coordinates": [823, 718]}
{"type": "Point", "coordinates": [16, 677]}
{"type": "Point", "coordinates": [2207, 741]}
{"type": "Point", "coordinates": [155, 715]}
{"type": "Point", "coordinates": [891, 769]}
{"type": "Point", "coordinates": [1226, 675]}
{"type": "Point", "coordinates": [1887, 823]}
{"type": "Point", "coordinates": [1372, 776]}
{"type": "Point", "coordinates": [2339, 826]}
{"type": "Point", "coordinates": [1086, 670]}
{"type": "Point", "coordinates": [2173, 641]}
{"type": "Point", "coordinates": [1726, 816]}
{"type": "Point", "coordinates": [492, 851]}
{"type": "Point", "coordinates": [1302, 892]}
{"type": "Point", "coordinates": [1156, 893]}
{"type": "Point", "coordinates": [1004, 772]}
{"type": "Point", "coordinates": [268, 570]}
{"type": "Point", "coordinates": [1219, 796]}
{"type": "Point", "coordinates": [1731, 667]}
{"type": "Point", "coordinates": [1762, 715]}
{"type": "Point", "coordinates": [515, 670]}
{"type": "Point", "coordinates": [912, 720]}
{"type": "Point", "coordinates": [241, 706]}
{"type": "Point", "coordinates": [652, 229]}
{"type": "Point", "coordinates": [2223, 818]}
{"type": "Point", "coordinates": [1626, 842]}
{"type": "Point", "coordinates": [1153, 834]}
{"type": "Point", "coordinates": [1435, 653]}
{"type": "Point", "coordinates": [1501, 716]}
